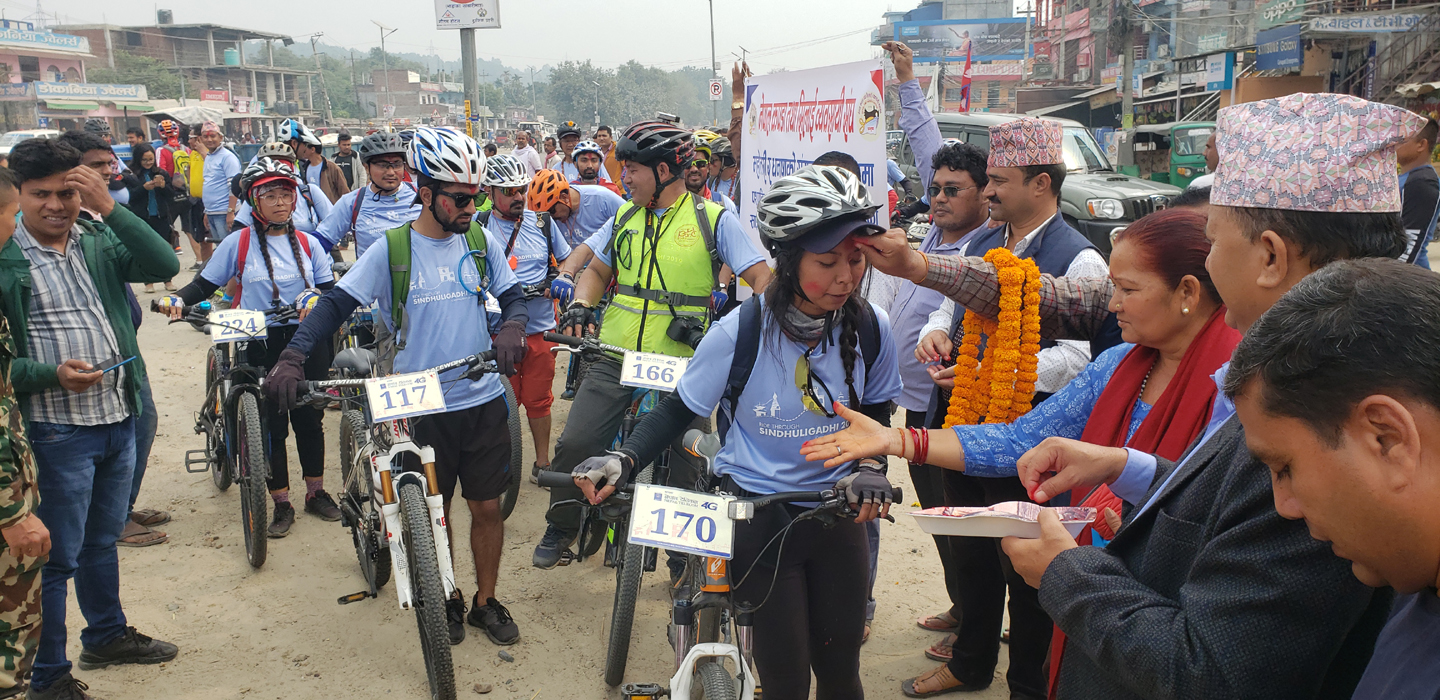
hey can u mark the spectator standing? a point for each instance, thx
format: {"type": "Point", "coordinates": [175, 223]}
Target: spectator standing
{"type": "Point", "coordinates": [552, 158]}
{"type": "Point", "coordinates": [193, 221]}
{"type": "Point", "coordinates": [527, 154]}
{"type": "Point", "coordinates": [150, 197]}
{"type": "Point", "coordinates": [1419, 193]}
{"type": "Point", "coordinates": [62, 290]}
{"type": "Point", "coordinates": [348, 160]}
{"type": "Point", "coordinates": [221, 165]}
{"type": "Point", "coordinates": [320, 172]}
{"type": "Point", "coordinates": [605, 137]}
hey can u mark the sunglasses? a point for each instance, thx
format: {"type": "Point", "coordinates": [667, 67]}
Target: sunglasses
{"type": "Point", "coordinates": [460, 199]}
{"type": "Point", "coordinates": [700, 163]}
{"type": "Point", "coordinates": [805, 381]}
{"type": "Point", "coordinates": [512, 191]}
{"type": "Point", "coordinates": [949, 191]}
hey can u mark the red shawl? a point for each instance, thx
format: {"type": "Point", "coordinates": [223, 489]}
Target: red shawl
{"type": "Point", "coordinates": [1175, 421]}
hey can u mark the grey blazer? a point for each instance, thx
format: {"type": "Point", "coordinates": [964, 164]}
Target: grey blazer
{"type": "Point", "coordinates": [1210, 594]}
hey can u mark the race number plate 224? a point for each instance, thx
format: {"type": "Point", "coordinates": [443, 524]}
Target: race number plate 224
{"type": "Point", "coordinates": [230, 325]}
{"type": "Point", "coordinates": [404, 396]}
{"type": "Point", "coordinates": [649, 370]}
{"type": "Point", "coordinates": [682, 521]}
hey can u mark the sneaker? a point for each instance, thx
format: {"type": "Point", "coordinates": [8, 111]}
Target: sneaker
{"type": "Point", "coordinates": [67, 688]}
{"type": "Point", "coordinates": [495, 620]}
{"type": "Point", "coordinates": [323, 505]}
{"type": "Point", "coordinates": [197, 266]}
{"type": "Point", "coordinates": [284, 518]}
{"type": "Point", "coordinates": [535, 470]}
{"type": "Point", "coordinates": [547, 553]}
{"type": "Point", "coordinates": [455, 617]}
{"type": "Point", "coordinates": [129, 648]}
{"type": "Point", "coordinates": [568, 394]}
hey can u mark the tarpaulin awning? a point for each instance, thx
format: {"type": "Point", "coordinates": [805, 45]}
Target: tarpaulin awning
{"type": "Point", "coordinates": [130, 107]}
{"type": "Point", "coordinates": [72, 106]}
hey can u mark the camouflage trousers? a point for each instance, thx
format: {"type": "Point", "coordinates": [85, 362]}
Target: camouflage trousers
{"type": "Point", "coordinates": [19, 616]}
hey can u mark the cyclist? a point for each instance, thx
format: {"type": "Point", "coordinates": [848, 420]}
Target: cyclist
{"type": "Point", "coordinates": [807, 339]}
{"type": "Point", "coordinates": [311, 205]}
{"type": "Point", "coordinates": [697, 175]}
{"type": "Point", "coordinates": [533, 245]}
{"type": "Point", "coordinates": [568, 134]}
{"type": "Point", "coordinates": [441, 319]}
{"type": "Point", "coordinates": [388, 201]}
{"type": "Point", "coordinates": [724, 171]}
{"type": "Point", "coordinates": [654, 302]}
{"type": "Point", "coordinates": [589, 159]}
{"type": "Point", "coordinates": [578, 211]}
{"type": "Point", "coordinates": [273, 263]}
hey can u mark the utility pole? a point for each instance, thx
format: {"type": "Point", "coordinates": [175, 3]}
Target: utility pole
{"type": "Point", "coordinates": [1026, 62]}
{"type": "Point", "coordinates": [324, 91]}
{"type": "Point", "coordinates": [468, 75]}
{"type": "Point", "coordinates": [533, 115]}
{"type": "Point", "coordinates": [355, 85]}
{"type": "Point", "coordinates": [1061, 73]}
{"type": "Point", "coordinates": [714, 72]}
{"type": "Point", "coordinates": [1122, 41]}
{"type": "Point", "coordinates": [384, 65]}
{"type": "Point", "coordinates": [597, 103]}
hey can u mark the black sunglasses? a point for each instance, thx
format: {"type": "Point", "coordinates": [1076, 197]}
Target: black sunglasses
{"type": "Point", "coordinates": [460, 199]}
{"type": "Point", "coordinates": [950, 191]}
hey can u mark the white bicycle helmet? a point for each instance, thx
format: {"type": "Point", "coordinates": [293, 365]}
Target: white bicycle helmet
{"type": "Point", "coordinates": [505, 171]}
{"type": "Point", "coordinates": [446, 155]}
{"type": "Point", "coordinates": [293, 130]}
{"type": "Point", "coordinates": [587, 147]}
{"type": "Point", "coordinates": [810, 197]}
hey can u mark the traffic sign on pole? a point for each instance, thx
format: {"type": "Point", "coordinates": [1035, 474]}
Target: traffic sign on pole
{"type": "Point", "coordinates": [716, 88]}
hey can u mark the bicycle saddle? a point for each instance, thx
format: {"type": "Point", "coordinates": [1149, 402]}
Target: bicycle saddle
{"type": "Point", "coordinates": [355, 362]}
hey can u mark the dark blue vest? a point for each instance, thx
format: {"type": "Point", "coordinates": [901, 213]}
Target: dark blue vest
{"type": "Point", "coordinates": [1052, 249]}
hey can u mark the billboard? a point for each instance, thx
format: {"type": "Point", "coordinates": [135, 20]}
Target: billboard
{"type": "Point", "coordinates": [467, 14]}
{"type": "Point", "coordinates": [952, 39]}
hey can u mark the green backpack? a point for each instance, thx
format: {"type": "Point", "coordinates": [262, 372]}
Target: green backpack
{"type": "Point", "coordinates": [398, 241]}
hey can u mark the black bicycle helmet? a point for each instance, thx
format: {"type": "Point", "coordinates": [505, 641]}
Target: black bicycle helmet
{"type": "Point", "coordinates": [97, 125]}
{"type": "Point", "coordinates": [567, 129]}
{"type": "Point", "coordinates": [814, 199]}
{"type": "Point", "coordinates": [654, 142]}
{"type": "Point", "coordinates": [381, 143]}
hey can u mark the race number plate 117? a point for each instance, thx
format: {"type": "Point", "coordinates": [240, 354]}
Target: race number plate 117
{"type": "Point", "coordinates": [404, 395]}
{"type": "Point", "coordinates": [649, 370]}
{"type": "Point", "coordinates": [682, 521]}
{"type": "Point", "coordinates": [230, 325]}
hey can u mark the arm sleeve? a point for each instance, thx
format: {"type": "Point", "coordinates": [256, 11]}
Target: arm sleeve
{"type": "Point", "coordinates": [197, 291]}
{"type": "Point", "coordinates": [659, 428]}
{"type": "Point", "coordinates": [941, 319]}
{"type": "Point", "coordinates": [1135, 480]}
{"type": "Point", "coordinates": [600, 239]}
{"type": "Point", "coordinates": [920, 128]}
{"type": "Point", "coordinates": [1420, 196]}
{"type": "Point", "coordinates": [142, 255]}
{"type": "Point", "coordinates": [333, 308]}
{"type": "Point", "coordinates": [512, 305]}
{"type": "Point", "coordinates": [992, 450]}
{"type": "Point", "coordinates": [322, 207]}
{"type": "Point", "coordinates": [1059, 364]}
{"type": "Point", "coordinates": [320, 263]}
{"type": "Point", "coordinates": [19, 493]}
{"type": "Point", "coordinates": [1071, 308]}
{"type": "Point", "coordinates": [736, 248]}
{"type": "Point", "coordinates": [336, 224]}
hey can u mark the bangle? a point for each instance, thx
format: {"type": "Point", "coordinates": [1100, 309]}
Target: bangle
{"type": "Point", "coordinates": [903, 447]}
{"type": "Point", "coordinates": [922, 444]}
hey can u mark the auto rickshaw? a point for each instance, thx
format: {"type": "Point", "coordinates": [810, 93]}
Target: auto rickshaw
{"type": "Point", "coordinates": [1170, 153]}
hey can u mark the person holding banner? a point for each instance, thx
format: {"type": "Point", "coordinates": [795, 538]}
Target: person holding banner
{"type": "Point", "coordinates": [664, 249]}
{"type": "Point", "coordinates": [809, 598]}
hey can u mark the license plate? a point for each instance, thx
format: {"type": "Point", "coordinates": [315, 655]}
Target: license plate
{"type": "Point", "coordinates": [230, 325]}
{"type": "Point", "coordinates": [648, 370]}
{"type": "Point", "coordinates": [404, 395]}
{"type": "Point", "coordinates": [682, 521]}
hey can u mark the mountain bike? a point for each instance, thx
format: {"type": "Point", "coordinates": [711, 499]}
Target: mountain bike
{"type": "Point", "coordinates": [235, 429]}
{"type": "Point", "coordinates": [607, 523]}
{"type": "Point", "coordinates": [391, 494]}
{"type": "Point", "coordinates": [712, 634]}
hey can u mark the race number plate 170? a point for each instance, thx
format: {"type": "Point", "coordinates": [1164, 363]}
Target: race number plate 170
{"type": "Point", "coordinates": [682, 521]}
{"type": "Point", "coordinates": [649, 370]}
{"type": "Point", "coordinates": [230, 325]}
{"type": "Point", "coordinates": [404, 396]}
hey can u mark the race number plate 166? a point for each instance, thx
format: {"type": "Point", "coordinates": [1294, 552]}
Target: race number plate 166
{"type": "Point", "coordinates": [682, 521]}
{"type": "Point", "coordinates": [649, 370]}
{"type": "Point", "coordinates": [230, 325]}
{"type": "Point", "coordinates": [404, 395]}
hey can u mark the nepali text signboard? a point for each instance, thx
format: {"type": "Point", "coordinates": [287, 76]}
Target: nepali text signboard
{"type": "Point", "coordinates": [1279, 48]}
{"type": "Point", "coordinates": [13, 37]}
{"type": "Point", "coordinates": [1374, 23]}
{"type": "Point", "coordinates": [954, 39]}
{"type": "Point", "coordinates": [794, 117]}
{"type": "Point", "coordinates": [467, 14]}
{"type": "Point", "coordinates": [68, 91]}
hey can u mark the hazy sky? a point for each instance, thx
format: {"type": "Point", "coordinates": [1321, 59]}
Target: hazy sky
{"type": "Point", "coordinates": [666, 33]}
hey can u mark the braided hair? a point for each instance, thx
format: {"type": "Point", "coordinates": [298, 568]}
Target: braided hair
{"type": "Point", "coordinates": [294, 239]}
{"type": "Point", "coordinates": [780, 295]}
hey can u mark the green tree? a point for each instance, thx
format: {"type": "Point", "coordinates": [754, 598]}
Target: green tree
{"type": "Point", "coordinates": [160, 81]}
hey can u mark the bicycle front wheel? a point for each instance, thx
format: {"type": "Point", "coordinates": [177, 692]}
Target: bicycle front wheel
{"type": "Point", "coordinates": [215, 439]}
{"type": "Point", "coordinates": [250, 458]}
{"type": "Point", "coordinates": [373, 555]}
{"type": "Point", "coordinates": [629, 567]}
{"type": "Point", "coordinates": [427, 592]}
{"type": "Point", "coordinates": [517, 452]}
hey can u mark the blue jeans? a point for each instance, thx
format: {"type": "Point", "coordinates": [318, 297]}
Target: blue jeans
{"type": "Point", "coordinates": [85, 479]}
{"type": "Point", "coordinates": [145, 427]}
{"type": "Point", "coordinates": [219, 229]}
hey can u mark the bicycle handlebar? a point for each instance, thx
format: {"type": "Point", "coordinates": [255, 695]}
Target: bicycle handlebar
{"type": "Point", "coordinates": [552, 479]}
{"type": "Point", "coordinates": [319, 387]}
{"type": "Point", "coordinates": [199, 313]}
{"type": "Point", "coordinates": [583, 345]}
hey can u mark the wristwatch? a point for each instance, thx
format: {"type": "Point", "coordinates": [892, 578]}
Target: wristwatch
{"type": "Point", "coordinates": [737, 104]}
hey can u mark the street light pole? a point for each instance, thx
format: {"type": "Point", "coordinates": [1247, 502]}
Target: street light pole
{"type": "Point", "coordinates": [384, 65]}
{"type": "Point", "coordinates": [324, 91]}
{"type": "Point", "coordinates": [597, 103]}
{"type": "Point", "coordinates": [714, 67]}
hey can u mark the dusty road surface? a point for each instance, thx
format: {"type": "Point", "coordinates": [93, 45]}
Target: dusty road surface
{"type": "Point", "coordinates": [277, 632]}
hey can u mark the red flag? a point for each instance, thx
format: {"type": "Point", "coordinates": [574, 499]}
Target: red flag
{"type": "Point", "coordinates": [965, 82]}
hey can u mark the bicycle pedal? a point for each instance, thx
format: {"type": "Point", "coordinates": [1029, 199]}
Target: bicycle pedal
{"type": "Point", "coordinates": [203, 460]}
{"type": "Point", "coordinates": [354, 597]}
{"type": "Point", "coordinates": [642, 691]}
{"type": "Point", "coordinates": [566, 557]}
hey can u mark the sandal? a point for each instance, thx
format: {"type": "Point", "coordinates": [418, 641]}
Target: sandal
{"type": "Point", "coordinates": [936, 682]}
{"type": "Point", "coordinates": [137, 535]}
{"type": "Point", "coordinates": [942, 650]}
{"type": "Point", "coordinates": [944, 622]}
{"type": "Point", "coordinates": [149, 518]}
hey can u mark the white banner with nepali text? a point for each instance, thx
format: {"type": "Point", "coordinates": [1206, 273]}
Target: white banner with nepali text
{"type": "Point", "coordinates": [794, 117]}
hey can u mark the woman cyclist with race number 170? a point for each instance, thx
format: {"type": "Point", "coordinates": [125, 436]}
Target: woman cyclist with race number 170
{"type": "Point", "coordinates": [809, 358]}
{"type": "Point", "coordinates": [275, 264]}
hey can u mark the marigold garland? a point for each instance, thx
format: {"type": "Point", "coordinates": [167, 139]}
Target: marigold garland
{"type": "Point", "coordinates": [998, 386]}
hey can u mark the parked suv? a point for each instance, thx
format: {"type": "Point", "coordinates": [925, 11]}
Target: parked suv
{"type": "Point", "coordinates": [1095, 199]}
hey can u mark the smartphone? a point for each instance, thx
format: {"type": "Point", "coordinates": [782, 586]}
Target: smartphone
{"type": "Point", "coordinates": [110, 364]}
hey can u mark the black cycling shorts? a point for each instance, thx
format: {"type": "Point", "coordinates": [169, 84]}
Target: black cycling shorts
{"type": "Point", "coordinates": [472, 446]}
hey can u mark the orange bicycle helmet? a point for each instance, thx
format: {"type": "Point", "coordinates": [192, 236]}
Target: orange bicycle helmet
{"type": "Point", "coordinates": [547, 189]}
